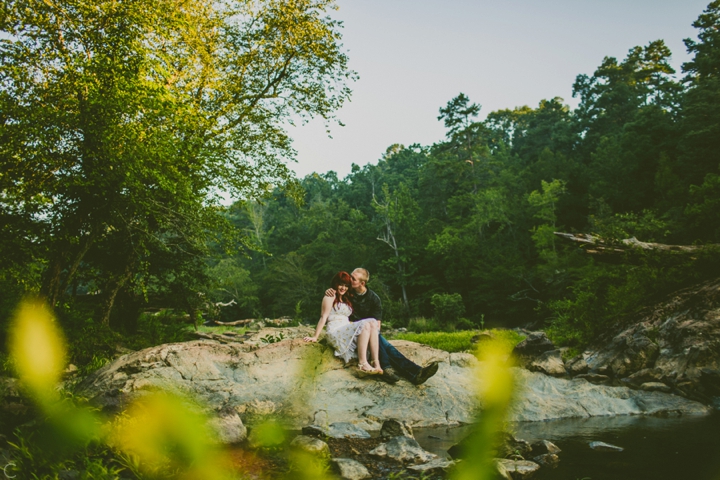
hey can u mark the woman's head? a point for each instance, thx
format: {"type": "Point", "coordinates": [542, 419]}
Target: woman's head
{"type": "Point", "coordinates": [340, 279]}
{"type": "Point", "coordinates": [341, 282]}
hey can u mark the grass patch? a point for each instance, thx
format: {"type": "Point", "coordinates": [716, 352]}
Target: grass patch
{"type": "Point", "coordinates": [460, 341]}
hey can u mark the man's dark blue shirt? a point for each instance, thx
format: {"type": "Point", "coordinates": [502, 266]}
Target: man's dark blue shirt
{"type": "Point", "coordinates": [367, 305]}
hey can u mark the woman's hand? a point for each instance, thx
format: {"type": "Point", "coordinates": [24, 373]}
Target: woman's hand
{"type": "Point", "coordinates": [310, 339]}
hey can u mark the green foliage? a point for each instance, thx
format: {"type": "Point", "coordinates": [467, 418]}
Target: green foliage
{"type": "Point", "coordinates": [29, 453]}
{"type": "Point", "coordinates": [607, 297]}
{"type": "Point", "coordinates": [270, 338]}
{"type": "Point", "coordinates": [124, 123]}
{"type": "Point", "coordinates": [448, 307]}
{"type": "Point", "coordinates": [421, 324]}
{"type": "Point", "coordinates": [464, 324]}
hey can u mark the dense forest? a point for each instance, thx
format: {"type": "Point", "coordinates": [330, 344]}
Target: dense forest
{"type": "Point", "coordinates": [110, 195]}
{"type": "Point", "coordinates": [463, 230]}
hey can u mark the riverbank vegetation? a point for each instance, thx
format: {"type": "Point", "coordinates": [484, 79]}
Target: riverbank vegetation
{"type": "Point", "coordinates": [464, 341]}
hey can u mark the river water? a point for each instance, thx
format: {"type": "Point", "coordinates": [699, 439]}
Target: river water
{"type": "Point", "coordinates": [677, 448]}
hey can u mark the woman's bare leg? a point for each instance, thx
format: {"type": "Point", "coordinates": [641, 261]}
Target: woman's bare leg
{"type": "Point", "coordinates": [362, 343]}
{"type": "Point", "coordinates": [375, 345]}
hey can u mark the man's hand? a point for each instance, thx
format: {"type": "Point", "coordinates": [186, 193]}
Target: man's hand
{"type": "Point", "coordinates": [330, 292]}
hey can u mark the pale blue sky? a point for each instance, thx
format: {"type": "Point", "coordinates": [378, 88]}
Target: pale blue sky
{"type": "Point", "coordinates": [415, 55]}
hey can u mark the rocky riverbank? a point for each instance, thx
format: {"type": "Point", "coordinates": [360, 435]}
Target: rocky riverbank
{"type": "Point", "coordinates": [305, 384]}
{"type": "Point", "coordinates": [674, 347]}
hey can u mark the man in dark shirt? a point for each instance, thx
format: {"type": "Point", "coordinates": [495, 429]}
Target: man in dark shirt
{"type": "Point", "coordinates": [367, 304]}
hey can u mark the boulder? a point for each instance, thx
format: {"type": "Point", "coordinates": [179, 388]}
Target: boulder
{"type": "Point", "coordinates": [655, 387]}
{"type": "Point", "coordinates": [350, 469]}
{"type": "Point", "coordinates": [501, 470]}
{"type": "Point", "coordinates": [311, 445]}
{"type": "Point", "coordinates": [605, 447]}
{"type": "Point", "coordinates": [534, 344]}
{"type": "Point", "coordinates": [545, 446]}
{"type": "Point", "coordinates": [517, 469]}
{"type": "Point", "coordinates": [299, 382]}
{"type": "Point", "coordinates": [396, 428]}
{"type": "Point", "coordinates": [644, 375]}
{"type": "Point", "coordinates": [547, 398]}
{"type": "Point", "coordinates": [595, 378]}
{"type": "Point", "coordinates": [505, 445]}
{"type": "Point", "coordinates": [549, 363]}
{"type": "Point", "coordinates": [336, 430]}
{"type": "Point", "coordinates": [404, 450]}
{"type": "Point", "coordinates": [303, 383]}
{"type": "Point", "coordinates": [576, 366]}
{"type": "Point", "coordinates": [433, 467]}
{"type": "Point", "coordinates": [550, 460]}
{"type": "Point", "coordinates": [508, 445]}
{"type": "Point", "coordinates": [229, 428]}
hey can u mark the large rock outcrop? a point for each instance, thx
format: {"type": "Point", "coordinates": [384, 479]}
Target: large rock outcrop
{"type": "Point", "coordinates": [676, 343]}
{"type": "Point", "coordinates": [305, 384]}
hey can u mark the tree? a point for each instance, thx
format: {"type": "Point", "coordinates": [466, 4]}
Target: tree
{"type": "Point", "coordinates": [398, 213]}
{"type": "Point", "coordinates": [458, 114]}
{"type": "Point", "coordinates": [122, 122]}
{"type": "Point", "coordinates": [545, 203]}
{"type": "Point", "coordinates": [699, 162]}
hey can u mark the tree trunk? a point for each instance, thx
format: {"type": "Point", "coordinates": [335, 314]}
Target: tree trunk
{"type": "Point", "coordinates": [389, 238]}
{"type": "Point", "coordinates": [112, 289]}
{"type": "Point", "coordinates": [51, 281]}
{"type": "Point", "coordinates": [54, 285]}
{"type": "Point", "coordinates": [594, 245]}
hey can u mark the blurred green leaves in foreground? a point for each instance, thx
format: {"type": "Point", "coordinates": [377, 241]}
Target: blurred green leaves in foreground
{"type": "Point", "coordinates": [496, 390]}
{"type": "Point", "coordinates": [159, 435]}
{"type": "Point", "coordinates": [163, 435]}
{"type": "Point", "coordinates": [38, 350]}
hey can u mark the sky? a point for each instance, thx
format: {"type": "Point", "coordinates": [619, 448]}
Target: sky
{"type": "Point", "coordinates": [413, 56]}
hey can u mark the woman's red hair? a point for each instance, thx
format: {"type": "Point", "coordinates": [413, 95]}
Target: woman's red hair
{"type": "Point", "coordinates": [342, 278]}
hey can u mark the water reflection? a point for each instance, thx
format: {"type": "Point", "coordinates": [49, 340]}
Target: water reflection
{"type": "Point", "coordinates": [655, 448]}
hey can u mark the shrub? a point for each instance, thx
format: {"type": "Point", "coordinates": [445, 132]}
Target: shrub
{"type": "Point", "coordinates": [464, 324]}
{"type": "Point", "coordinates": [421, 324]}
{"type": "Point", "coordinates": [448, 307]}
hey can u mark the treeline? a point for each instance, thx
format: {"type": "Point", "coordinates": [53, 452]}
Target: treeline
{"type": "Point", "coordinates": [474, 215]}
{"type": "Point", "coordinates": [113, 149]}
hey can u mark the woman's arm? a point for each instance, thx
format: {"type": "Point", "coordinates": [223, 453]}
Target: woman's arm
{"type": "Point", "coordinates": [325, 309]}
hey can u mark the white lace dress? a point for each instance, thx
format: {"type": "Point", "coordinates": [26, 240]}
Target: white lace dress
{"type": "Point", "coordinates": [342, 333]}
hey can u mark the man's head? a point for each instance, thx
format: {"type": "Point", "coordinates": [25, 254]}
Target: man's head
{"type": "Point", "coordinates": [359, 277]}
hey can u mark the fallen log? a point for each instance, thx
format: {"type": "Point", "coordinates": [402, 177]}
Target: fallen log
{"type": "Point", "coordinates": [594, 245]}
{"type": "Point", "coordinates": [236, 322]}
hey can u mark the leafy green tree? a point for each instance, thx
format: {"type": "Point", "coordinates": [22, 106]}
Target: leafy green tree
{"type": "Point", "coordinates": [458, 114]}
{"type": "Point", "coordinates": [123, 122]}
{"type": "Point", "coordinates": [699, 160]}
{"type": "Point", "coordinates": [545, 202]}
{"type": "Point", "coordinates": [233, 284]}
{"type": "Point", "coordinates": [397, 212]}
{"type": "Point", "coordinates": [448, 308]}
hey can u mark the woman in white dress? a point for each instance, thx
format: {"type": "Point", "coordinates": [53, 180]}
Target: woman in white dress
{"type": "Point", "coordinates": [349, 339]}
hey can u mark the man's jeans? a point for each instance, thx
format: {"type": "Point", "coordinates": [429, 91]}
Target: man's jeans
{"type": "Point", "coordinates": [391, 357]}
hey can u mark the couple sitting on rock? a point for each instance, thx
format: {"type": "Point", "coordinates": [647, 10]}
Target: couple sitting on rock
{"type": "Point", "coordinates": [353, 314]}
